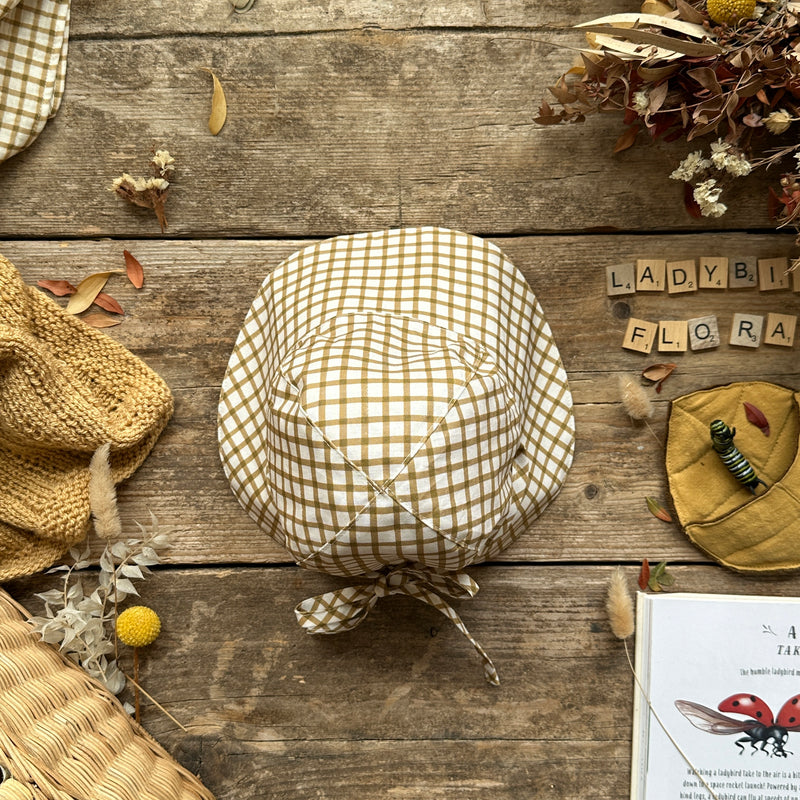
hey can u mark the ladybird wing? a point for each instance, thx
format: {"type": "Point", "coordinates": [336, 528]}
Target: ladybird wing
{"type": "Point", "coordinates": [789, 715]}
{"type": "Point", "coordinates": [712, 721]}
{"type": "Point", "coordinates": [749, 705]}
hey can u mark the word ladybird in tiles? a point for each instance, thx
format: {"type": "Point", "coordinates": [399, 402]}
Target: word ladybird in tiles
{"type": "Point", "coordinates": [722, 441]}
{"type": "Point", "coordinates": [760, 731]}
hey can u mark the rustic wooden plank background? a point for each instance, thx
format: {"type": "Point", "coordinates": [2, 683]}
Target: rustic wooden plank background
{"type": "Point", "coordinates": [354, 115]}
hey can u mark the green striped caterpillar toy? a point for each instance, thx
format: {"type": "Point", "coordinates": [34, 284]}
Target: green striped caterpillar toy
{"type": "Point", "coordinates": [737, 464]}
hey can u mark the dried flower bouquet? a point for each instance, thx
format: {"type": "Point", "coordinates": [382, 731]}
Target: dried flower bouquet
{"type": "Point", "coordinates": [683, 69]}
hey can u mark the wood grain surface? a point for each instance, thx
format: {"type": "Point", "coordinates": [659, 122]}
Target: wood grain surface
{"type": "Point", "coordinates": [350, 115]}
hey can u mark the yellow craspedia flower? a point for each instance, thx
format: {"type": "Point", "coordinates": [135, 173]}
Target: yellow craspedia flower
{"type": "Point", "coordinates": [729, 12]}
{"type": "Point", "coordinates": [138, 626]}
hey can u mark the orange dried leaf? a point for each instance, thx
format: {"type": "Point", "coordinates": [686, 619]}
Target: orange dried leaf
{"type": "Point", "coordinates": [87, 291]}
{"type": "Point", "coordinates": [134, 269]}
{"type": "Point", "coordinates": [99, 320]}
{"type": "Point", "coordinates": [58, 288]}
{"type": "Point", "coordinates": [756, 417]}
{"type": "Point", "coordinates": [644, 575]}
{"type": "Point", "coordinates": [107, 302]}
{"type": "Point", "coordinates": [657, 510]}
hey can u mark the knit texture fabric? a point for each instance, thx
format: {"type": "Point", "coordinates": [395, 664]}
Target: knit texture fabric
{"type": "Point", "coordinates": [65, 389]}
{"type": "Point", "coordinates": [748, 532]}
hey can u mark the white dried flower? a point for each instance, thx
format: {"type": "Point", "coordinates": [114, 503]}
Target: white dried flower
{"type": "Point", "coordinates": [729, 159]}
{"type": "Point", "coordinates": [778, 121]}
{"type": "Point", "coordinates": [706, 195]}
{"type": "Point", "coordinates": [163, 161]}
{"type": "Point", "coordinates": [160, 184]}
{"type": "Point", "coordinates": [641, 102]}
{"type": "Point", "coordinates": [690, 166]}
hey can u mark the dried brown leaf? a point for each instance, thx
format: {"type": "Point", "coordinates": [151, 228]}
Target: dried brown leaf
{"type": "Point", "coordinates": [689, 13]}
{"type": "Point", "coordinates": [107, 302]}
{"type": "Point", "coordinates": [657, 97]}
{"type": "Point", "coordinates": [87, 291]}
{"type": "Point", "coordinates": [219, 106]}
{"type": "Point", "coordinates": [657, 510]}
{"type": "Point", "coordinates": [133, 269]}
{"type": "Point", "coordinates": [756, 417]}
{"type": "Point", "coordinates": [58, 288]}
{"type": "Point", "coordinates": [658, 373]}
{"type": "Point", "coordinates": [99, 320]}
{"type": "Point", "coordinates": [627, 139]}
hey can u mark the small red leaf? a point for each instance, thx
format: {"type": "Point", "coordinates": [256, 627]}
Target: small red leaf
{"type": "Point", "coordinates": [756, 417]}
{"type": "Point", "coordinates": [107, 302]}
{"type": "Point", "coordinates": [58, 288]}
{"type": "Point", "coordinates": [657, 510]}
{"type": "Point", "coordinates": [134, 269]}
{"type": "Point", "coordinates": [644, 575]}
{"type": "Point", "coordinates": [691, 204]}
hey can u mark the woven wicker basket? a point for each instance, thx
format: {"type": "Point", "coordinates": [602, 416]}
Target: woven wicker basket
{"type": "Point", "coordinates": [63, 736]}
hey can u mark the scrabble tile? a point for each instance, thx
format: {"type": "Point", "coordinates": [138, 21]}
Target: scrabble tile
{"type": "Point", "coordinates": [796, 279]}
{"type": "Point", "coordinates": [640, 335]}
{"type": "Point", "coordinates": [620, 279]}
{"type": "Point", "coordinates": [746, 330]}
{"type": "Point", "coordinates": [780, 329]}
{"type": "Point", "coordinates": [651, 274]}
{"type": "Point", "coordinates": [673, 336]}
{"type": "Point", "coordinates": [742, 273]}
{"type": "Point", "coordinates": [703, 332]}
{"type": "Point", "coordinates": [681, 276]}
{"type": "Point", "coordinates": [772, 274]}
{"type": "Point", "coordinates": [713, 273]}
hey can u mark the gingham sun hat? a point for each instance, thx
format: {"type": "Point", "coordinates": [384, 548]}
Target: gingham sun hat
{"type": "Point", "coordinates": [34, 37]}
{"type": "Point", "coordinates": [395, 407]}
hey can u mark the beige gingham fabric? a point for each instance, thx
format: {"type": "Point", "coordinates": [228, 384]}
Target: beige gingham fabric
{"type": "Point", "coordinates": [34, 35]}
{"type": "Point", "coordinates": [395, 405]}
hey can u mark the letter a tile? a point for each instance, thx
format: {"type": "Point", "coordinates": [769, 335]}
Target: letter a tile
{"type": "Point", "coordinates": [650, 274]}
{"type": "Point", "coordinates": [780, 329]}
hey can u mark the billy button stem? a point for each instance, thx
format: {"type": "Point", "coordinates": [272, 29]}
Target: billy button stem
{"type": "Point", "coordinates": [137, 626]}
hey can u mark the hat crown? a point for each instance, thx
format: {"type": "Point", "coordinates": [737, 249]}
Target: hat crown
{"type": "Point", "coordinates": [398, 425]}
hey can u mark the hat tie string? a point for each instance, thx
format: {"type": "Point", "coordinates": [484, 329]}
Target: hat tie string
{"type": "Point", "coordinates": [345, 609]}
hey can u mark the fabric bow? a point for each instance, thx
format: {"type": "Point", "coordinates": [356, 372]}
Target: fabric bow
{"type": "Point", "coordinates": [345, 609]}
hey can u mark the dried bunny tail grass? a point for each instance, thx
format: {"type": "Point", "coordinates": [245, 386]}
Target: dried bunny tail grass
{"type": "Point", "coordinates": [634, 398]}
{"type": "Point", "coordinates": [103, 495]}
{"type": "Point", "coordinates": [636, 403]}
{"type": "Point", "coordinates": [619, 605]}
